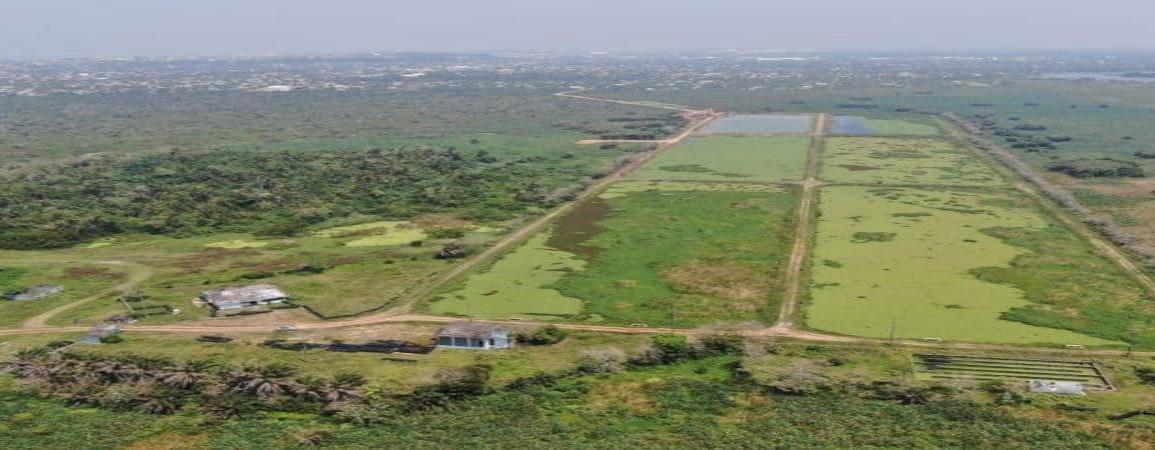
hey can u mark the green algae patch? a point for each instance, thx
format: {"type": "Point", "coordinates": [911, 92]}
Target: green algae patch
{"type": "Point", "coordinates": [914, 276]}
{"type": "Point", "coordinates": [516, 285]}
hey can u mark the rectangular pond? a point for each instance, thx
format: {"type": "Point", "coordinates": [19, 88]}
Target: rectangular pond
{"type": "Point", "coordinates": [761, 124]}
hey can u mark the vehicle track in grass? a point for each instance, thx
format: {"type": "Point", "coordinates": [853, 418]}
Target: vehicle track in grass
{"type": "Point", "coordinates": [137, 273]}
{"type": "Point", "coordinates": [803, 229]}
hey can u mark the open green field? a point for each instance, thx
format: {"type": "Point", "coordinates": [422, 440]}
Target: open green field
{"type": "Point", "coordinates": [729, 158]}
{"type": "Point", "coordinates": [904, 260]}
{"type": "Point", "coordinates": [655, 253]}
{"type": "Point", "coordinates": [517, 285]}
{"type": "Point", "coordinates": [337, 268]}
{"type": "Point", "coordinates": [864, 160]}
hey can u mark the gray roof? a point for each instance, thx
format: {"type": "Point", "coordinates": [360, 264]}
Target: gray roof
{"type": "Point", "coordinates": [242, 294]}
{"type": "Point", "coordinates": [1057, 387]}
{"type": "Point", "coordinates": [35, 292]}
{"type": "Point", "coordinates": [472, 330]}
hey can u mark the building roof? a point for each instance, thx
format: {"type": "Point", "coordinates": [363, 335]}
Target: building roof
{"type": "Point", "coordinates": [471, 330]}
{"type": "Point", "coordinates": [1057, 387]}
{"type": "Point", "coordinates": [243, 294]}
{"type": "Point", "coordinates": [34, 292]}
{"type": "Point", "coordinates": [103, 331]}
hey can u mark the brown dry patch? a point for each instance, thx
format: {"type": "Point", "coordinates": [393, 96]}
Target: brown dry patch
{"type": "Point", "coordinates": [265, 265]}
{"type": "Point", "coordinates": [748, 408]}
{"type": "Point", "coordinates": [171, 441]}
{"type": "Point", "coordinates": [195, 262]}
{"type": "Point", "coordinates": [629, 394]}
{"type": "Point", "coordinates": [721, 280]}
{"type": "Point", "coordinates": [429, 221]}
{"type": "Point", "coordinates": [100, 273]}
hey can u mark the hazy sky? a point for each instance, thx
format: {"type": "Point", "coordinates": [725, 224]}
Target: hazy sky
{"type": "Point", "coordinates": [66, 28]}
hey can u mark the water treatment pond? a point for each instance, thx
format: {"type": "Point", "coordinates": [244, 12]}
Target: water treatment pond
{"type": "Point", "coordinates": [761, 124]}
{"type": "Point", "coordinates": [850, 125]}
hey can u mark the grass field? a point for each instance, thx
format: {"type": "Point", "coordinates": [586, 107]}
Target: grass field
{"type": "Point", "coordinates": [703, 257]}
{"type": "Point", "coordinates": [904, 258]}
{"type": "Point", "coordinates": [863, 160]}
{"type": "Point", "coordinates": [642, 252]}
{"type": "Point", "coordinates": [726, 158]}
{"type": "Point", "coordinates": [516, 285]}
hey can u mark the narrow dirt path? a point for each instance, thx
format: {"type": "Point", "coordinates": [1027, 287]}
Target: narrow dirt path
{"type": "Point", "coordinates": [659, 105]}
{"type": "Point", "coordinates": [802, 230]}
{"type": "Point", "coordinates": [137, 273]}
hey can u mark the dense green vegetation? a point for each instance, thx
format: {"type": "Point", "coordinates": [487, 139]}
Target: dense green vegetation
{"type": "Point", "coordinates": [269, 193]}
{"type": "Point", "coordinates": [198, 163]}
{"type": "Point", "coordinates": [679, 397]}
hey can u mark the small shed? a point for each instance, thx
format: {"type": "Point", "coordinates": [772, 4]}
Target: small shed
{"type": "Point", "coordinates": [472, 335]}
{"type": "Point", "coordinates": [1057, 387]}
{"type": "Point", "coordinates": [244, 296]}
{"type": "Point", "coordinates": [35, 292]}
{"type": "Point", "coordinates": [95, 334]}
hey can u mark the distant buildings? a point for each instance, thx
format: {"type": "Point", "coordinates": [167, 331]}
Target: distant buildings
{"type": "Point", "coordinates": [471, 335]}
{"type": "Point", "coordinates": [244, 296]}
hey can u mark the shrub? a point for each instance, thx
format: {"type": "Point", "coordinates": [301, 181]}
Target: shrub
{"type": "Point", "coordinates": [547, 335]}
{"type": "Point", "coordinates": [112, 339]}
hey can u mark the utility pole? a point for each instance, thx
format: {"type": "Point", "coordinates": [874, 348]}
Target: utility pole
{"type": "Point", "coordinates": [892, 331]}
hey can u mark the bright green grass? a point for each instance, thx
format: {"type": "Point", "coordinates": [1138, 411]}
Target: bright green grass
{"type": "Point", "coordinates": [624, 188]}
{"type": "Point", "coordinates": [516, 285]}
{"type": "Point", "coordinates": [239, 243]}
{"type": "Point", "coordinates": [727, 158]}
{"type": "Point", "coordinates": [920, 279]}
{"type": "Point", "coordinates": [868, 160]}
{"type": "Point", "coordinates": [703, 257]}
{"type": "Point", "coordinates": [894, 127]}
{"type": "Point", "coordinates": [376, 234]}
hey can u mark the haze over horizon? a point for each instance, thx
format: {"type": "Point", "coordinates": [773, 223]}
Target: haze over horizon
{"type": "Point", "coordinates": [123, 28]}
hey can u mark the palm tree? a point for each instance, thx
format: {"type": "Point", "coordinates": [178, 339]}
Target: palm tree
{"type": "Point", "coordinates": [343, 386]}
{"type": "Point", "coordinates": [265, 382]}
{"type": "Point", "coordinates": [186, 375]}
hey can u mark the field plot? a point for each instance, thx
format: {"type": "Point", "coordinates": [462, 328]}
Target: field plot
{"type": "Point", "coordinates": [761, 124]}
{"type": "Point", "coordinates": [858, 125]}
{"type": "Point", "coordinates": [914, 161]}
{"type": "Point", "coordinates": [659, 253]}
{"type": "Point", "coordinates": [903, 261]}
{"type": "Point", "coordinates": [728, 158]}
{"type": "Point", "coordinates": [953, 367]}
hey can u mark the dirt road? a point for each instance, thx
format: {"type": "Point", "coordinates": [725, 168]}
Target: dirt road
{"type": "Point", "coordinates": [802, 230]}
{"type": "Point", "coordinates": [137, 273]}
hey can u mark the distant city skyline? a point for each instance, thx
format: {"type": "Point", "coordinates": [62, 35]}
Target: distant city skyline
{"type": "Point", "coordinates": [126, 28]}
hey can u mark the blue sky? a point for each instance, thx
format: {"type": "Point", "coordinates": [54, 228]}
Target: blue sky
{"type": "Point", "coordinates": [67, 28]}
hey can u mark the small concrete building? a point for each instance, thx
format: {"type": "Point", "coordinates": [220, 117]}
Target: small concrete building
{"type": "Point", "coordinates": [472, 335]}
{"type": "Point", "coordinates": [244, 296]}
{"type": "Point", "coordinates": [35, 292]}
{"type": "Point", "coordinates": [96, 333]}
